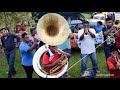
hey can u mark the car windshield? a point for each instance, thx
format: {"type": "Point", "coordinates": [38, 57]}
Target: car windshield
{"type": "Point", "coordinates": [95, 18]}
{"type": "Point", "coordinates": [99, 18]}
{"type": "Point", "coordinates": [102, 18]}
{"type": "Point", "coordinates": [78, 17]}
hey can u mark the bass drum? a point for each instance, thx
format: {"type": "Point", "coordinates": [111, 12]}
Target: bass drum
{"type": "Point", "coordinates": [37, 67]}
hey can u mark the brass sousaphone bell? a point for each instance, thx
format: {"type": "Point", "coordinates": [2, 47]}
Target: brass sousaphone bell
{"type": "Point", "coordinates": [53, 29]}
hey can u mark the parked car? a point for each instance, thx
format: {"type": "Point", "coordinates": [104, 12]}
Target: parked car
{"type": "Point", "coordinates": [75, 43]}
{"type": "Point", "coordinates": [117, 15]}
{"type": "Point", "coordinates": [79, 20]}
{"type": "Point", "coordinates": [96, 18]}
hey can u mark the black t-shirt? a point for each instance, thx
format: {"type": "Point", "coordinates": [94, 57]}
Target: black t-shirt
{"type": "Point", "coordinates": [9, 43]}
{"type": "Point", "coordinates": [106, 38]}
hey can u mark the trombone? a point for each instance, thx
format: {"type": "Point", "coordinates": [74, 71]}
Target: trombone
{"type": "Point", "coordinates": [117, 24]}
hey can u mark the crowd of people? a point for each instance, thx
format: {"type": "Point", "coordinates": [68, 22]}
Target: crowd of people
{"type": "Point", "coordinates": [28, 44]}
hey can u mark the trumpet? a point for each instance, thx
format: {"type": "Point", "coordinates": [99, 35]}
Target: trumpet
{"type": "Point", "coordinates": [117, 60]}
{"type": "Point", "coordinates": [86, 31]}
{"type": "Point", "coordinates": [117, 24]}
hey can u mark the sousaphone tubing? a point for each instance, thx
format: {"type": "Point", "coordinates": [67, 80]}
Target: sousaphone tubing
{"type": "Point", "coordinates": [53, 29]}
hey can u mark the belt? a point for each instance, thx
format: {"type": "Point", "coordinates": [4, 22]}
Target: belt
{"type": "Point", "coordinates": [8, 50]}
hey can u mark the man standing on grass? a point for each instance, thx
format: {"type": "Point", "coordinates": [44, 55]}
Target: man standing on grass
{"type": "Point", "coordinates": [8, 44]}
{"type": "Point", "coordinates": [87, 36]}
{"type": "Point", "coordinates": [27, 53]}
{"type": "Point", "coordinates": [108, 32]}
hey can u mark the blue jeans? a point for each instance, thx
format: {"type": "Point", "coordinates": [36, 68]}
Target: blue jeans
{"type": "Point", "coordinates": [107, 52]}
{"type": "Point", "coordinates": [67, 51]}
{"type": "Point", "coordinates": [10, 56]}
{"type": "Point", "coordinates": [84, 62]}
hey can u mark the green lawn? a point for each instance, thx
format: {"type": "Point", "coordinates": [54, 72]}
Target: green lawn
{"type": "Point", "coordinates": [74, 72]}
{"type": "Point", "coordinates": [88, 16]}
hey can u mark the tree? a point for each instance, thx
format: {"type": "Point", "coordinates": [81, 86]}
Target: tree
{"type": "Point", "coordinates": [9, 19]}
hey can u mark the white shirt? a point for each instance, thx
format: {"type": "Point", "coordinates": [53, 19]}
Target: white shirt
{"type": "Point", "coordinates": [51, 54]}
{"type": "Point", "coordinates": [88, 43]}
{"type": "Point", "coordinates": [32, 38]}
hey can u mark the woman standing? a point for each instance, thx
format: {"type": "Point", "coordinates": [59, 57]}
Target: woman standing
{"type": "Point", "coordinates": [99, 39]}
{"type": "Point", "coordinates": [99, 27]}
{"type": "Point", "coordinates": [77, 28]}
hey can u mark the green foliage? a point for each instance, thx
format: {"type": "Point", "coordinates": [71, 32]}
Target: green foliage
{"type": "Point", "coordinates": [88, 16]}
{"type": "Point", "coordinates": [9, 19]}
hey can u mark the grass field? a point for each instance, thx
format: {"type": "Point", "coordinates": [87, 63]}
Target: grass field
{"type": "Point", "coordinates": [74, 72]}
{"type": "Point", "coordinates": [88, 16]}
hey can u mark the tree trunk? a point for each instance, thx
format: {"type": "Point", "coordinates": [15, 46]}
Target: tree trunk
{"type": "Point", "coordinates": [6, 21]}
{"type": "Point", "coordinates": [28, 23]}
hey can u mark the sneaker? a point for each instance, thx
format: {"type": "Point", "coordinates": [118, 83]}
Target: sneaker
{"type": "Point", "coordinates": [7, 72]}
{"type": "Point", "coordinates": [97, 72]}
{"type": "Point", "coordinates": [67, 76]}
{"type": "Point", "coordinates": [9, 76]}
{"type": "Point", "coordinates": [14, 73]}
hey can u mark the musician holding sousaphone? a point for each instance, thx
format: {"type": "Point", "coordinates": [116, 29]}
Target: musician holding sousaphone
{"type": "Point", "coordinates": [52, 58]}
{"type": "Point", "coordinates": [53, 29]}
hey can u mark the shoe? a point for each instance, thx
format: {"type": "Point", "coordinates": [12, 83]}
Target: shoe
{"type": "Point", "coordinates": [67, 76]}
{"type": "Point", "coordinates": [14, 73]}
{"type": "Point", "coordinates": [7, 72]}
{"type": "Point", "coordinates": [9, 76]}
{"type": "Point", "coordinates": [97, 72]}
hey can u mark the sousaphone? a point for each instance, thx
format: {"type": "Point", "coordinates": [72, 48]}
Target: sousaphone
{"type": "Point", "coordinates": [53, 29]}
